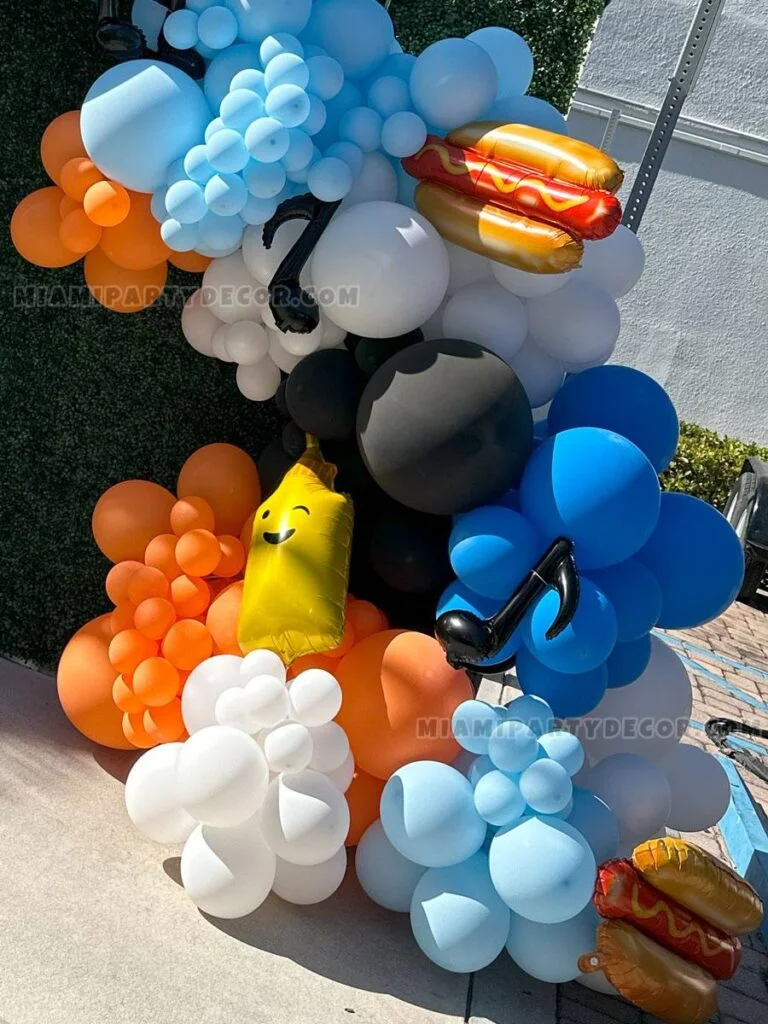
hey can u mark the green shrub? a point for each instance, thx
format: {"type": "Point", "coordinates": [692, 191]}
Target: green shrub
{"type": "Point", "coordinates": [706, 463]}
{"type": "Point", "coordinates": [557, 31]}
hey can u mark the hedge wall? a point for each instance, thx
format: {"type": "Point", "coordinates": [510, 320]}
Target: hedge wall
{"type": "Point", "coordinates": [706, 463]}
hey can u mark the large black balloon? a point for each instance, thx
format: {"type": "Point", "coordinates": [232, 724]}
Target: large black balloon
{"type": "Point", "coordinates": [444, 426]}
{"type": "Point", "coordinates": [371, 353]}
{"type": "Point", "coordinates": [409, 551]}
{"type": "Point", "coordinates": [322, 394]}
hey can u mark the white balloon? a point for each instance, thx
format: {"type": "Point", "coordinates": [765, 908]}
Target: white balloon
{"type": "Point", "coordinates": [219, 343]}
{"type": "Point", "coordinates": [152, 796]}
{"type": "Point", "coordinates": [380, 270]}
{"type": "Point", "coordinates": [487, 314]}
{"type": "Point", "coordinates": [268, 700]}
{"type": "Point", "coordinates": [204, 686]}
{"type": "Point", "coordinates": [377, 180]}
{"type": "Point", "coordinates": [258, 382]}
{"type": "Point", "coordinates": [230, 292]}
{"type": "Point", "coordinates": [700, 788]}
{"type": "Point", "coordinates": [302, 344]}
{"type": "Point", "coordinates": [433, 327]}
{"type": "Point", "coordinates": [614, 263]}
{"type": "Point", "coordinates": [636, 790]}
{"type": "Point", "coordinates": [333, 335]}
{"type": "Point", "coordinates": [524, 284]}
{"type": "Point", "coordinates": [288, 747]}
{"type": "Point", "coordinates": [199, 324]}
{"type": "Point", "coordinates": [262, 662]}
{"type": "Point", "coordinates": [330, 747]}
{"type": "Point", "coordinates": [246, 342]}
{"type": "Point", "coordinates": [236, 708]}
{"type": "Point", "coordinates": [385, 874]}
{"type": "Point", "coordinates": [466, 267]}
{"type": "Point", "coordinates": [309, 883]}
{"type": "Point", "coordinates": [540, 374]}
{"type": "Point", "coordinates": [268, 319]}
{"type": "Point", "coordinates": [343, 775]}
{"type": "Point", "coordinates": [305, 819]}
{"type": "Point", "coordinates": [222, 776]}
{"type": "Point", "coordinates": [262, 262]}
{"type": "Point", "coordinates": [279, 355]}
{"type": "Point", "coordinates": [228, 872]}
{"type": "Point", "coordinates": [315, 697]}
{"type": "Point", "coordinates": [579, 323]}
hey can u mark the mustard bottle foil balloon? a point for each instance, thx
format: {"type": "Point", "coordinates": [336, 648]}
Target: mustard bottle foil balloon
{"type": "Point", "coordinates": [298, 563]}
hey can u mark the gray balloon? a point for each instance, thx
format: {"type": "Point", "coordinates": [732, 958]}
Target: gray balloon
{"type": "Point", "coordinates": [445, 426]}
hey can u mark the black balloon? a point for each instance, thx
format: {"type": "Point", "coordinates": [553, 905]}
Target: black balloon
{"type": "Point", "coordinates": [322, 394]}
{"type": "Point", "coordinates": [444, 426]}
{"type": "Point", "coordinates": [371, 353]}
{"type": "Point", "coordinates": [273, 464]}
{"type": "Point", "coordinates": [409, 551]}
{"type": "Point", "coordinates": [294, 440]}
{"type": "Point", "coordinates": [280, 398]}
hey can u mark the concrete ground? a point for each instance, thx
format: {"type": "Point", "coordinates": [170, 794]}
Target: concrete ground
{"type": "Point", "coordinates": [95, 929]}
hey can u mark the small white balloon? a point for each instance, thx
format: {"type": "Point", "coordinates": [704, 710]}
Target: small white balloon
{"type": "Point", "coordinates": [258, 382]}
{"type": "Point", "coordinates": [288, 747]}
{"type": "Point", "coordinates": [199, 324]}
{"type": "Point", "coordinates": [219, 343]}
{"type": "Point", "coordinates": [330, 747]}
{"type": "Point", "coordinates": [489, 315]}
{"type": "Point", "coordinates": [433, 327]}
{"type": "Point", "coordinates": [302, 344]}
{"type": "Point", "coordinates": [268, 700]}
{"type": "Point", "coordinates": [152, 796]}
{"type": "Point", "coordinates": [315, 697]}
{"type": "Point", "coordinates": [262, 262]}
{"type": "Point", "coordinates": [636, 790]}
{"type": "Point", "coordinates": [342, 776]}
{"type": "Point", "coordinates": [268, 319]}
{"type": "Point", "coordinates": [524, 284]}
{"type": "Point", "coordinates": [466, 267]}
{"type": "Point", "coordinates": [222, 776]}
{"type": "Point", "coordinates": [376, 180]}
{"type": "Point", "coordinates": [333, 335]}
{"type": "Point", "coordinates": [262, 662]}
{"type": "Point", "coordinates": [540, 374]}
{"type": "Point", "coordinates": [579, 323]}
{"type": "Point", "coordinates": [246, 342]}
{"type": "Point", "coordinates": [235, 708]}
{"type": "Point", "coordinates": [204, 685]}
{"type": "Point", "coordinates": [700, 788]}
{"type": "Point", "coordinates": [615, 263]}
{"type": "Point", "coordinates": [305, 884]}
{"type": "Point", "coordinates": [279, 355]}
{"type": "Point", "coordinates": [305, 819]}
{"type": "Point", "coordinates": [229, 290]}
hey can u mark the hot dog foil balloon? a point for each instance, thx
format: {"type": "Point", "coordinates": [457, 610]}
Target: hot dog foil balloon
{"type": "Point", "coordinates": [519, 195]}
{"type": "Point", "coordinates": [298, 563]}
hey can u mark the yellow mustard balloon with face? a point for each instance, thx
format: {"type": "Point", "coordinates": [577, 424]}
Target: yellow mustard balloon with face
{"type": "Point", "coordinates": [298, 563]}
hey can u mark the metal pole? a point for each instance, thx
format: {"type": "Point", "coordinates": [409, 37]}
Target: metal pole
{"type": "Point", "coordinates": [689, 64]}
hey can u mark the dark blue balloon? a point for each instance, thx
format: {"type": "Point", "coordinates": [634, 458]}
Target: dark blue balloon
{"type": "Point", "coordinates": [585, 642]}
{"type": "Point", "coordinates": [627, 662]}
{"type": "Point", "coordinates": [697, 559]}
{"type": "Point", "coordinates": [635, 595]}
{"type": "Point", "coordinates": [457, 597]}
{"type": "Point", "coordinates": [492, 549]}
{"type": "Point", "coordinates": [596, 822]}
{"type": "Point", "coordinates": [568, 694]}
{"type": "Point", "coordinates": [595, 487]}
{"type": "Point", "coordinates": [624, 400]}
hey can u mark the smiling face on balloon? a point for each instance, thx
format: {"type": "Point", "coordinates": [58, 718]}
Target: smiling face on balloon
{"type": "Point", "coordinates": [284, 531]}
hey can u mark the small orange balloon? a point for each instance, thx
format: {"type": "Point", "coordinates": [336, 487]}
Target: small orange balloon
{"type": "Point", "coordinates": [129, 648]}
{"type": "Point", "coordinates": [78, 175]}
{"type": "Point", "coordinates": [154, 617]}
{"type": "Point", "coordinates": [365, 618]}
{"type": "Point", "coordinates": [228, 479]}
{"type": "Point", "coordinates": [198, 553]}
{"type": "Point", "coordinates": [68, 205]}
{"type": "Point", "coordinates": [35, 229]}
{"type": "Point", "coordinates": [190, 596]}
{"type": "Point", "coordinates": [135, 733]}
{"type": "Point", "coordinates": [232, 556]}
{"type": "Point", "coordinates": [192, 513]}
{"type": "Point", "coordinates": [106, 203]}
{"type": "Point", "coordinates": [312, 661]}
{"type": "Point", "coordinates": [165, 724]}
{"type": "Point", "coordinates": [161, 554]}
{"type": "Point", "coordinates": [120, 289]}
{"type": "Point", "coordinates": [363, 798]}
{"type": "Point", "coordinates": [123, 617]}
{"type": "Point", "coordinates": [156, 682]}
{"type": "Point", "coordinates": [84, 679]}
{"type": "Point", "coordinates": [78, 233]}
{"type": "Point", "coordinates": [61, 142]}
{"type": "Point", "coordinates": [147, 582]}
{"type": "Point", "coordinates": [127, 517]}
{"type": "Point", "coordinates": [246, 534]}
{"type": "Point", "coordinates": [118, 578]}
{"type": "Point", "coordinates": [125, 698]}
{"type": "Point", "coordinates": [223, 617]}
{"type": "Point", "coordinates": [135, 242]}
{"type": "Point", "coordinates": [187, 643]}
{"type": "Point", "coordinates": [346, 645]}
{"type": "Point", "coordinates": [193, 262]}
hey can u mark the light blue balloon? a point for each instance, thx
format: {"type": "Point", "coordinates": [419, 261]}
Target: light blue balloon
{"type": "Point", "coordinates": [428, 814]}
{"type": "Point", "coordinates": [326, 76]}
{"type": "Point", "coordinates": [286, 69]}
{"type": "Point", "coordinates": [179, 237]}
{"type": "Point", "coordinates": [223, 69]}
{"type": "Point", "coordinates": [594, 819]}
{"type": "Point", "coordinates": [264, 181]}
{"type": "Point", "coordinates": [279, 42]}
{"type": "Point", "coordinates": [220, 233]}
{"type": "Point", "coordinates": [258, 211]}
{"type": "Point", "coordinates": [185, 202]}
{"type": "Point", "coordinates": [226, 151]}
{"type": "Point", "coordinates": [180, 29]}
{"type": "Point", "coordinates": [406, 187]}
{"type": "Point", "coordinates": [498, 799]}
{"type": "Point", "coordinates": [348, 97]}
{"type": "Point", "coordinates": [463, 762]}
{"type": "Point", "coordinates": [550, 952]}
{"type": "Point", "coordinates": [251, 79]}
{"type": "Point", "coordinates": [473, 722]}
{"type": "Point", "coordinates": [403, 134]}
{"type": "Point", "coordinates": [317, 116]}
{"type": "Point", "coordinates": [635, 594]}
{"type": "Point", "coordinates": [398, 64]}
{"type": "Point", "coordinates": [300, 150]}
{"type": "Point", "coordinates": [452, 82]}
{"type": "Point", "coordinates": [528, 110]}
{"type": "Point", "coordinates": [480, 767]}
{"type": "Point", "coordinates": [217, 28]}
{"type": "Point", "coordinates": [241, 107]}
{"type": "Point", "coordinates": [546, 787]}
{"type": "Point", "coordinates": [157, 204]}
{"type": "Point", "coordinates": [564, 748]}
{"type": "Point", "coordinates": [570, 695]}
{"type": "Point", "coordinates": [137, 118]}
{"type": "Point", "coordinates": [349, 153]}
{"type": "Point", "coordinates": [226, 194]}
{"type": "Point", "coordinates": [356, 33]}
{"type": "Point", "coordinates": [457, 597]}
{"type": "Point", "coordinates": [149, 17]}
{"type": "Point", "coordinates": [543, 869]}
{"type": "Point", "coordinates": [586, 641]}
{"type": "Point", "coordinates": [533, 712]}
{"type": "Point", "coordinates": [388, 95]}
{"type": "Point", "coordinates": [330, 179]}
{"type": "Point", "coordinates": [255, 20]}
{"type": "Point", "coordinates": [511, 57]}
{"type": "Point", "coordinates": [198, 6]}
{"type": "Point", "coordinates": [492, 550]}
{"type": "Point", "coordinates": [361, 125]}
{"type": "Point", "coordinates": [628, 661]}
{"type": "Point", "coordinates": [457, 917]}
{"type": "Point", "coordinates": [267, 140]}
{"type": "Point", "coordinates": [512, 746]}
{"type": "Point", "coordinates": [206, 51]}
{"type": "Point", "coordinates": [288, 104]}
{"type": "Point", "coordinates": [213, 126]}
{"type": "Point", "coordinates": [176, 172]}
{"type": "Point", "coordinates": [385, 875]}
{"type": "Point", "coordinates": [197, 166]}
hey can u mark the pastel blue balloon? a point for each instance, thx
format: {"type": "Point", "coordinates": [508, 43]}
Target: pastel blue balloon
{"type": "Point", "coordinates": [179, 237]}
{"type": "Point", "coordinates": [317, 116]}
{"type": "Point", "coordinates": [223, 69]}
{"type": "Point", "coordinates": [241, 107]}
{"type": "Point", "coordinates": [157, 204]}
{"type": "Point", "coordinates": [594, 819]}
{"type": "Point", "coordinates": [399, 64]}
{"type": "Point", "coordinates": [543, 869]}
{"type": "Point", "coordinates": [206, 51]}
{"type": "Point", "coordinates": [264, 181]}
{"type": "Point", "coordinates": [624, 400]}
{"type": "Point", "coordinates": [452, 82]}
{"type": "Point", "coordinates": [403, 134]}
{"type": "Point", "coordinates": [226, 151]}
{"type": "Point", "coordinates": [595, 487]}
{"type": "Point", "coordinates": [149, 16]}
{"type": "Point", "coordinates": [388, 95]}
{"type": "Point", "coordinates": [255, 20]}
{"type": "Point", "coordinates": [330, 179]}
{"type": "Point", "coordinates": [457, 597]}
{"type": "Point", "coordinates": [585, 642]}
{"type": "Point", "coordinates": [197, 166]}
{"type": "Point", "coordinates": [463, 762]}
{"type": "Point", "coordinates": [361, 125]}
{"type": "Point", "coordinates": [286, 69]}
{"type": "Point", "coordinates": [473, 722]}
{"type": "Point", "coordinates": [406, 188]}
{"type": "Point", "coordinates": [528, 110]}
{"type": "Point", "coordinates": [137, 118]}
{"type": "Point", "coordinates": [570, 694]}
{"type": "Point", "coordinates": [219, 232]}
{"type": "Point", "coordinates": [348, 97]}
{"type": "Point", "coordinates": [635, 595]}
{"type": "Point", "coordinates": [198, 6]}
{"type": "Point", "coordinates": [550, 952]}
{"type": "Point", "coordinates": [697, 560]}
{"type": "Point", "coordinates": [180, 29]}
{"type": "Point", "coordinates": [300, 150]}
{"type": "Point", "coordinates": [566, 811]}
{"type": "Point", "coordinates": [498, 799]}
{"type": "Point", "coordinates": [428, 814]}
{"type": "Point", "coordinates": [531, 711]}
{"type": "Point", "coordinates": [185, 202]}
{"type": "Point", "coordinates": [176, 172]}
{"type": "Point", "coordinates": [212, 127]}
{"type": "Point", "coordinates": [326, 76]}
{"type": "Point", "coordinates": [628, 661]}
{"type": "Point", "coordinates": [546, 787]}
{"type": "Point", "coordinates": [349, 153]}
{"type": "Point", "coordinates": [564, 748]}
{"type": "Point", "coordinates": [457, 918]}
{"type": "Point", "coordinates": [279, 42]}
{"type": "Point", "coordinates": [492, 549]}
{"type": "Point", "coordinates": [226, 194]}
{"type": "Point", "coordinates": [356, 33]}
{"type": "Point", "coordinates": [386, 876]}
{"type": "Point", "coordinates": [267, 140]}
{"type": "Point", "coordinates": [480, 767]}
{"type": "Point", "coordinates": [300, 174]}
{"type": "Point", "coordinates": [288, 104]}
{"type": "Point", "coordinates": [217, 28]}
{"type": "Point", "coordinates": [251, 79]}
{"type": "Point", "coordinates": [512, 746]}
{"type": "Point", "coordinates": [511, 57]}
{"type": "Point", "coordinates": [258, 210]}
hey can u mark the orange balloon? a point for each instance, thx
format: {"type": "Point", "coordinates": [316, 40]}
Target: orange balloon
{"type": "Point", "coordinates": [348, 641]}
{"type": "Point", "coordinates": [365, 618]}
{"type": "Point", "coordinates": [68, 205]}
{"type": "Point", "coordinates": [135, 733]}
{"type": "Point", "coordinates": [129, 648]}
{"type": "Point", "coordinates": [399, 696]}
{"type": "Point", "coordinates": [165, 724]}
{"type": "Point", "coordinates": [35, 229]}
{"type": "Point", "coordinates": [363, 798]}
{"type": "Point", "coordinates": [192, 262]}
{"type": "Point", "coordinates": [187, 643]}
{"type": "Point", "coordinates": [154, 617]}
{"type": "Point", "coordinates": [228, 480]}
{"type": "Point", "coordinates": [123, 617]}
{"type": "Point", "coordinates": [156, 682]}
{"type": "Point", "coordinates": [232, 556]}
{"type": "Point", "coordinates": [128, 515]}
{"type": "Point", "coordinates": [192, 513]}
{"type": "Point", "coordinates": [147, 582]}
{"type": "Point", "coordinates": [246, 534]}
{"type": "Point", "coordinates": [198, 553]}
{"type": "Point", "coordinates": [61, 142]}
{"type": "Point", "coordinates": [78, 234]}
{"type": "Point", "coordinates": [312, 661]}
{"type": "Point", "coordinates": [106, 203]}
{"type": "Point", "coordinates": [77, 175]}
{"type": "Point", "coordinates": [161, 554]}
{"type": "Point", "coordinates": [119, 289]}
{"type": "Point", "coordinates": [135, 242]}
{"type": "Point", "coordinates": [190, 596]}
{"type": "Point", "coordinates": [223, 617]}
{"type": "Point", "coordinates": [118, 578]}
{"type": "Point", "coordinates": [125, 698]}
